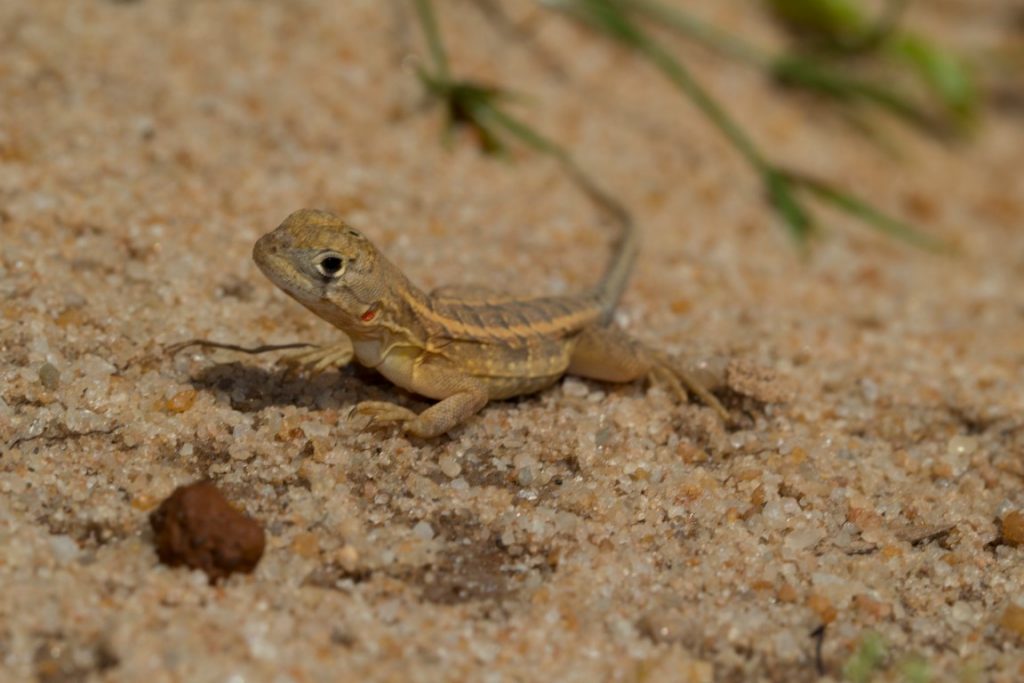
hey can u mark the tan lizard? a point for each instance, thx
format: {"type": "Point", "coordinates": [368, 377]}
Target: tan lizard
{"type": "Point", "coordinates": [463, 350]}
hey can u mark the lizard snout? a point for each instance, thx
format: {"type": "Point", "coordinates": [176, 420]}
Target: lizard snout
{"type": "Point", "coordinates": [271, 244]}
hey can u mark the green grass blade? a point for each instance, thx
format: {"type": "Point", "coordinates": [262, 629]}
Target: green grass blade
{"type": "Point", "coordinates": [868, 214]}
{"type": "Point", "coordinates": [946, 75]}
{"type": "Point", "coordinates": [811, 75]}
{"type": "Point", "coordinates": [610, 17]}
{"type": "Point", "coordinates": [425, 11]}
{"type": "Point", "coordinates": [708, 35]}
{"type": "Point", "coordinates": [798, 221]}
{"type": "Point", "coordinates": [867, 660]}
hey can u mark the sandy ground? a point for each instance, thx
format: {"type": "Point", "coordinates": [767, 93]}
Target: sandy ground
{"type": "Point", "coordinates": [591, 532]}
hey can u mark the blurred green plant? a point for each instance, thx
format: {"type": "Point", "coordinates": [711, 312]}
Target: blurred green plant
{"type": "Point", "coordinates": [837, 24]}
{"type": "Point", "coordinates": [795, 70]}
{"type": "Point", "coordinates": [915, 669]}
{"type": "Point", "coordinates": [474, 105]}
{"type": "Point", "coordinates": [841, 28]}
{"type": "Point", "coordinates": [866, 660]}
{"type": "Point", "coordinates": [871, 661]}
{"type": "Point", "coordinates": [615, 18]}
{"type": "Point", "coordinates": [482, 108]}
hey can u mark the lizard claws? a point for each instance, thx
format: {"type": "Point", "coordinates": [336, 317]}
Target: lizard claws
{"type": "Point", "coordinates": [318, 359]}
{"type": "Point", "coordinates": [382, 413]}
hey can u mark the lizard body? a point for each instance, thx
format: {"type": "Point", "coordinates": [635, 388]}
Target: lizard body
{"type": "Point", "coordinates": [460, 350]}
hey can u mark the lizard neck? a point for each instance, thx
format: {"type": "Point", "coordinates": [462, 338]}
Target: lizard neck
{"type": "Point", "coordinates": [395, 310]}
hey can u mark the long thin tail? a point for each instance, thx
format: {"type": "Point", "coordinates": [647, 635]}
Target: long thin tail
{"type": "Point", "coordinates": [624, 249]}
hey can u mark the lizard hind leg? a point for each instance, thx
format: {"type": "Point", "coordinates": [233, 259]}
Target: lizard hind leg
{"type": "Point", "coordinates": [671, 372]}
{"type": "Point", "coordinates": [607, 353]}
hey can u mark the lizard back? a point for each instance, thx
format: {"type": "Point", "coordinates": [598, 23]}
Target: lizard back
{"type": "Point", "coordinates": [514, 345]}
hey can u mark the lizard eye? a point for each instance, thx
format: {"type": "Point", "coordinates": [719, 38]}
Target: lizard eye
{"type": "Point", "coordinates": [330, 265]}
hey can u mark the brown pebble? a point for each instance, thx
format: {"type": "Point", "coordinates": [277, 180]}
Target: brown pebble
{"type": "Point", "coordinates": [197, 527]}
{"type": "Point", "coordinates": [787, 593]}
{"type": "Point", "coordinates": [1013, 528]}
{"type": "Point", "coordinates": [872, 607]}
{"type": "Point", "coordinates": [306, 545]}
{"type": "Point", "coordinates": [890, 551]}
{"type": "Point", "coordinates": [1013, 619]}
{"type": "Point", "coordinates": [49, 376]}
{"type": "Point", "coordinates": [921, 206]}
{"type": "Point", "coordinates": [759, 497]}
{"type": "Point", "coordinates": [681, 306]}
{"type": "Point", "coordinates": [181, 401]}
{"type": "Point", "coordinates": [823, 607]}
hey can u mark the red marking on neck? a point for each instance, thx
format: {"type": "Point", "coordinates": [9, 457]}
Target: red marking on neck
{"type": "Point", "coordinates": [368, 316]}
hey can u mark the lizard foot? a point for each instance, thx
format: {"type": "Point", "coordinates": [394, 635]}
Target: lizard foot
{"type": "Point", "coordinates": [382, 413]}
{"type": "Point", "coordinates": [681, 382]}
{"type": "Point", "coordinates": [316, 360]}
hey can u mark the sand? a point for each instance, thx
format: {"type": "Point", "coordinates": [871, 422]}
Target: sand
{"type": "Point", "coordinates": [591, 532]}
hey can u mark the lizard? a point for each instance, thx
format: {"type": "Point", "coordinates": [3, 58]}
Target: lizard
{"type": "Point", "coordinates": [463, 350]}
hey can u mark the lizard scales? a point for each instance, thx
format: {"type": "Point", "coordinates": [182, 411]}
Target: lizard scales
{"type": "Point", "coordinates": [461, 349]}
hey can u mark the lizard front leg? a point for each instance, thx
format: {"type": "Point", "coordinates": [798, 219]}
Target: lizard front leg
{"type": "Point", "coordinates": [607, 353]}
{"type": "Point", "coordinates": [466, 398]}
{"type": "Point", "coordinates": [319, 358]}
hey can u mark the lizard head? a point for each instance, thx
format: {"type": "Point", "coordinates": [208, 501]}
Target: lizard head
{"type": "Point", "coordinates": [326, 265]}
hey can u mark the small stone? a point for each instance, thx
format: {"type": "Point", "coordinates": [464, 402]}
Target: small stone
{"type": "Point", "coordinates": [64, 548]}
{"type": "Point", "coordinates": [241, 452]}
{"type": "Point", "coordinates": [314, 429]}
{"type": "Point", "coordinates": [823, 607]}
{"type": "Point", "coordinates": [1013, 528]}
{"type": "Point", "coordinates": [890, 551]}
{"type": "Point", "coordinates": [306, 545]}
{"type": "Point", "coordinates": [961, 611]}
{"type": "Point", "coordinates": [691, 454]}
{"type": "Point", "coordinates": [143, 501]}
{"type": "Point", "coordinates": [961, 445]}
{"type": "Point", "coordinates": [681, 306]}
{"type": "Point", "coordinates": [787, 593]}
{"type": "Point", "coordinates": [423, 531]}
{"type": "Point", "coordinates": [759, 497]}
{"type": "Point", "coordinates": [872, 607]}
{"type": "Point", "coordinates": [197, 527]}
{"type": "Point", "coordinates": [347, 556]}
{"type": "Point", "coordinates": [803, 538]}
{"type": "Point", "coordinates": [676, 664]}
{"type": "Point", "coordinates": [942, 470]}
{"type": "Point", "coordinates": [181, 401]}
{"type": "Point", "coordinates": [663, 626]}
{"type": "Point", "coordinates": [575, 388]}
{"type": "Point", "coordinates": [450, 467]}
{"type": "Point", "coordinates": [49, 376]}
{"type": "Point", "coordinates": [1013, 619]}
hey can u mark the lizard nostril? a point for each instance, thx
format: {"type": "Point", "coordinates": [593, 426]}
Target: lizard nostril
{"type": "Point", "coordinates": [274, 242]}
{"type": "Point", "coordinates": [265, 246]}
{"type": "Point", "coordinates": [283, 241]}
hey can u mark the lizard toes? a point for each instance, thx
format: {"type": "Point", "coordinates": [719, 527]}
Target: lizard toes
{"type": "Point", "coordinates": [317, 360]}
{"type": "Point", "coordinates": [382, 413]}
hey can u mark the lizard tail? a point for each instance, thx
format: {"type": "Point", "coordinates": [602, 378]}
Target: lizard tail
{"type": "Point", "coordinates": [624, 249]}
